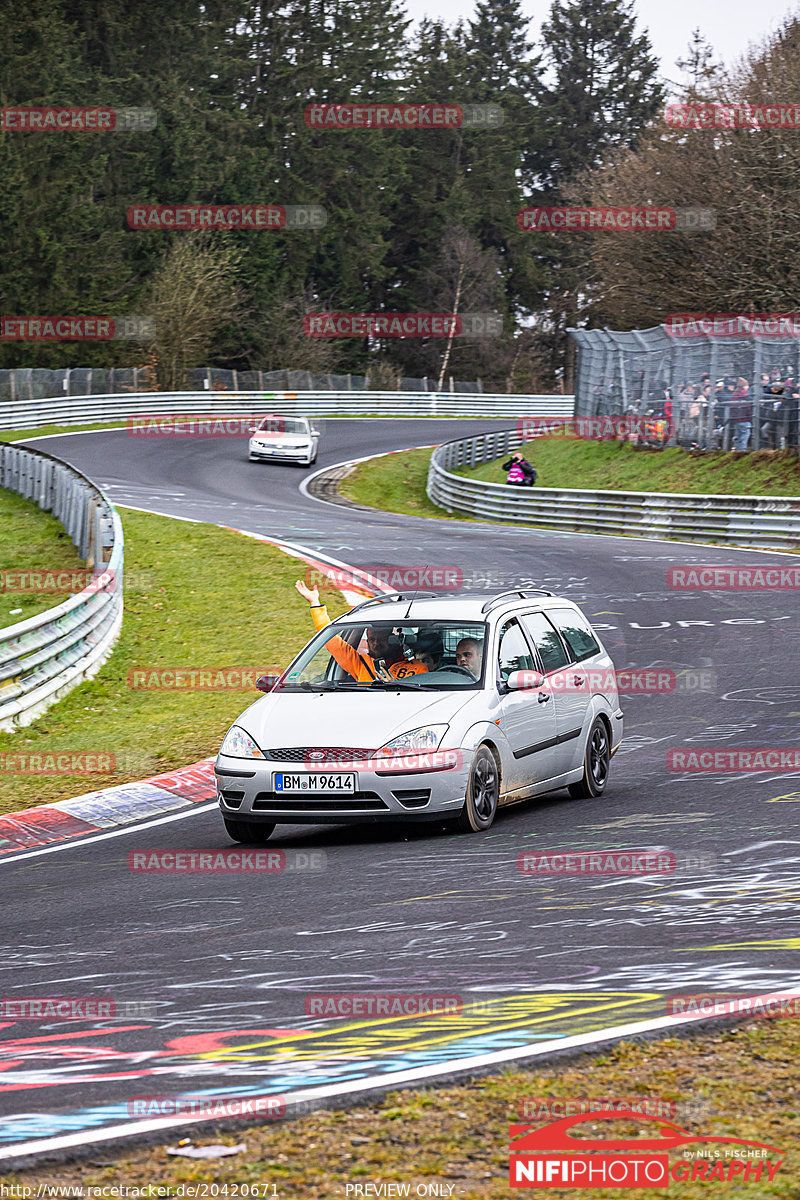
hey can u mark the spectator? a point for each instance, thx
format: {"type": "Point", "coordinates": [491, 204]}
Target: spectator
{"type": "Point", "coordinates": [520, 471]}
{"type": "Point", "coordinates": [740, 415]}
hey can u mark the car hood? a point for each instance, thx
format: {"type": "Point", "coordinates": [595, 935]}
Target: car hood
{"type": "Point", "coordinates": [345, 719]}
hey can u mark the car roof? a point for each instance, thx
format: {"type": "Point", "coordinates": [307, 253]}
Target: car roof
{"type": "Point", "coordinates": [448, 606]}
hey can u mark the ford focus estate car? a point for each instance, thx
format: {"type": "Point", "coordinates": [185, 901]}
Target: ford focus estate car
{"type": "Point", "coordinates": [478, 702]}
{"type": "Point", "coordinates": [285, 439]}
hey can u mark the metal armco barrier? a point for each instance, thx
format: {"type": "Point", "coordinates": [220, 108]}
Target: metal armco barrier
{"type": "Point", "coordinates": [80, 410]}
{"type": "Point", "coordinates": [762, 521]}
{"type": "Point", "coordinates": [45, 656]}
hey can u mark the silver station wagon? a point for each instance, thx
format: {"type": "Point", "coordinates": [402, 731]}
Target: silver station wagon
{"type": "Point", "coordinates": [422, 707]}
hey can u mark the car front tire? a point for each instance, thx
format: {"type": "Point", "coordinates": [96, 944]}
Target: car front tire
{"type": "Point", "coordinates": [596, 761]}
{"type": "Point", "coordinates": [250, 834]}
{"type": "Point", "coordinates": [483, 793]}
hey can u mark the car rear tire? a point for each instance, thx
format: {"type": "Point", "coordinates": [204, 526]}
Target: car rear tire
{"type": "Point", "coordinates": [596, 761]}
{"type": "Point", "coordinates": [483, 793]}
{"type": "Point", "coordinates": [248, 832]}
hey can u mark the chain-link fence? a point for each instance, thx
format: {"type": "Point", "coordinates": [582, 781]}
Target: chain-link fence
{"type": "Point", "coordinates": [704, 393]}
{"type": "Point", "coordinates": [38, 383]}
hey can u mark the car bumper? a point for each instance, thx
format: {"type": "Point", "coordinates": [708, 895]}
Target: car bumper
{"type": "Point", "coordinates": [245, 792]}
{"type": "Point", "coordinates": [282, 453]}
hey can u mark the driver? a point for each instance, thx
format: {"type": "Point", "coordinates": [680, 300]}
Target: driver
{"type": "Point", "coordinates": [469, 654]}
{"type": "Point", "coordinates": [383, 661]}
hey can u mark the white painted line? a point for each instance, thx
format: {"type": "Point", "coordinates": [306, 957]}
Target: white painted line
{"type": "Point", "coordinates": [368, 1083]}
{"type": "Point", "coordinates": [71, 843]}
{"type": "Point", "coordinates": [306, 553]}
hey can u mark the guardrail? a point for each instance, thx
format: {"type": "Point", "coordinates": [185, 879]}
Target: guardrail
{"type": "Point", "coordinates": [45, 656]}
{"type": "Point", "coordinates": [762, 521]}
{"type": "Point", "coordinates": [79, 410]}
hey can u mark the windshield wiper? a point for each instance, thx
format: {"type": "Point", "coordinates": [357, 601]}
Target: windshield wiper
{"type": "Point", "coordinates": [394, 683]}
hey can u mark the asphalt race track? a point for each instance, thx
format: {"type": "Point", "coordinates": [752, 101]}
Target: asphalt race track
{"type": "Point", "coordinates": [230, 960]}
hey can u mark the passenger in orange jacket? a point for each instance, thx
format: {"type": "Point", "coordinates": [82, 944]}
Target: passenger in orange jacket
{"type": "Point", "coordinates": [363, 667]}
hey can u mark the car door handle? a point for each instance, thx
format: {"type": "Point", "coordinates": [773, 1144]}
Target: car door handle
{"type": "Point", "coordinates": [577, 680]}
{"type": "Point", "coordinates": [544, 697]}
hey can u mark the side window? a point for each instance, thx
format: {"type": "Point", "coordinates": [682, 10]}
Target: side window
{"type": "Point", "coordinates": [546, 640]}
{"type": "Point", "coordinates": [577, 633]}
{"type": "Point", "coordinates": [514, 653]}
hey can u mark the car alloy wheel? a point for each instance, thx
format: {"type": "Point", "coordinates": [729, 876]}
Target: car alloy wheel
{"type": "Point", "coordinates": [596, 761]}
{"type": "Point", "coordinates": [483, 793]}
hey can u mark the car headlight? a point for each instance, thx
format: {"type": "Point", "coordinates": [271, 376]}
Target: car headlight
{"type": "Point", "coordinates": [239, 744]}
{"type": "Point", "coordinates": [427, 738]}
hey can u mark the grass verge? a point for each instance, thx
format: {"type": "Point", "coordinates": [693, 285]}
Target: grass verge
{"type": "Point", "coordinates": [211, 600]}
{"type": "Point", "coordinates": [393, 482]}
{"type": "Point", "coordinates": [396, 482]}
{"type": "Point", "coordinates": [23, 435]}
{"type": "Point", "coordinates": [617, 466]}
{"type": "Point", "coordinates": [740, 1082]}
{"type": "Point", "coordinates": [31, 540]}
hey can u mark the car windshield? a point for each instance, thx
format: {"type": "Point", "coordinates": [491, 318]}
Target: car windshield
{"type": "Point", "coordinates": [279, 425]}
{"type": "Point", "coordinates": [384, 655]}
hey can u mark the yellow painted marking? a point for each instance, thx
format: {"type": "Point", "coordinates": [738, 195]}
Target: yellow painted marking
{"type": "Point", "coordinates": [789, 797]}
{"type": "Point", "coordinates": [791, 943]}
{"type": "Point", "coordinates": [491, 1016]}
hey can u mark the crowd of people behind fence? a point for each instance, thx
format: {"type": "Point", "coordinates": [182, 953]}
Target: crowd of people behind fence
{"type": "Point", "coordinates": [725, 414]}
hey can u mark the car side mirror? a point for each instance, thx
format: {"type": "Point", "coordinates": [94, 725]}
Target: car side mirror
{"type": "Point", "coordinates": [520, 681]}
{"type": "Point", "coordinates": [265, 683]}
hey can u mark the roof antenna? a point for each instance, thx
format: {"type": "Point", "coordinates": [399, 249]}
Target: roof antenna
{"type": "Point", "coordinates": [413, 598]}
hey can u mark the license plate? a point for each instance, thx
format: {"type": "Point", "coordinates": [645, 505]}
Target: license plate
{"type": "Point", "coordinates": [314, 782]}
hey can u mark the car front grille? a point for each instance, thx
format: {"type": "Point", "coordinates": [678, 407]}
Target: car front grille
{"type": "Point", "coordinates": [354, 802]}
{"type": "Point", "coordinates": [329, 754]}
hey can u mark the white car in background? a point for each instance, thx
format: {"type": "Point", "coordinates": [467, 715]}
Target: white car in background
{"type": "Point", "coordinates": [285, 439]}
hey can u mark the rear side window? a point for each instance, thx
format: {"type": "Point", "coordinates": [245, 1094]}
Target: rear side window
{"type": "Point", "coordinates": [546, 640]}
{"type": "Point", "coordinates": [577, 633]}
{"type": "Point", "coordinates": [514, 653]}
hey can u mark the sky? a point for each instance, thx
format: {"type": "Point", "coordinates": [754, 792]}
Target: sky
{"type": "Point", "coordinates": [729, 25]}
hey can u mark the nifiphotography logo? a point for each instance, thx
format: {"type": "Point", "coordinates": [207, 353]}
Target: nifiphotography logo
{"type": "Point", "coordinates": [549, 1156]}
